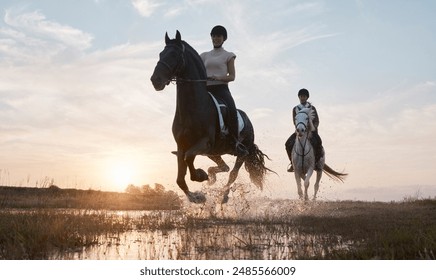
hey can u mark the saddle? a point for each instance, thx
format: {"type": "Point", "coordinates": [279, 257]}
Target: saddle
{"type": "Point", "coordinates": [221, 108]}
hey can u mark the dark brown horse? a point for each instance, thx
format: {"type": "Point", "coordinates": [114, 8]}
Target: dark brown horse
{"type": "Point", "coordinates": [196, 126]}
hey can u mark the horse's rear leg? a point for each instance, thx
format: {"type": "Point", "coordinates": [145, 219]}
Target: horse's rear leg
{"type": "Point", "coordinates": [232, 177]}
{"type": "Point", "coordinates": [213, 170]}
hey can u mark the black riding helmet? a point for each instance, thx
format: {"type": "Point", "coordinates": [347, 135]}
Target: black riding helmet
{"type": "Point", "coordinates": [303, 91]}
{"type": "Point", "coordinates": [219, 30]}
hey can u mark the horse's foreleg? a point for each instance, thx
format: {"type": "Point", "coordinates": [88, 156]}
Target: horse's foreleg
{"type": "Point", "coordinates": [298, 181]}
{"type": "Point", "coordinates": [197, 175]}
{"type": "Point", "coordinates": [232, 177]}
{"type": "Point", "coordinates": [201, 147]}
{"type": "Point", "coordinates": [316, 186]}
{"type": "Point", "coordinates": [307, 183]}
{"type": "Point", "coordinates": [181, 172]}
{"type": "Point", "coordinates": [213, 170]}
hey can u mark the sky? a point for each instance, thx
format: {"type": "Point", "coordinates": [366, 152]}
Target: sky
{"type": "Point", "coordinates": [77, 107]}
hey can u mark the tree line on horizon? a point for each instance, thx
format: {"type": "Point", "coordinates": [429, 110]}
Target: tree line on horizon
{"type": "Point", "coordinates": [147, 189]}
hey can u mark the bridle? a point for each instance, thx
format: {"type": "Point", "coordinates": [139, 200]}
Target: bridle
{"type": "Point", "coordinates": [302, 123]}
{"type": "Point", "coordinates": [179, 67]}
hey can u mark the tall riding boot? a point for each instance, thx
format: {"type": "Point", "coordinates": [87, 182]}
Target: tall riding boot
{"type": "Point", "coordinates": [240, 149]}
{"type": "Point", "coordinates": [289, 145]}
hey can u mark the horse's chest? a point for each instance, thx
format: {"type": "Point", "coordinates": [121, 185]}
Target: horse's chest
{"type": "Point", "coordinates": [303, 157]}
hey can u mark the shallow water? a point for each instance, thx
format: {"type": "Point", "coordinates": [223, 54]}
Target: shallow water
{"type": "Point", "coordinates": [242, 229]}
{"type": "Point", "coordinates": [224, 242]}
{"type": "Point", "coordinates": [195, 234]}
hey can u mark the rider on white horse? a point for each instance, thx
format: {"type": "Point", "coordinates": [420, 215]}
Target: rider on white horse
{"type": "Point", "coordinates": [315, 140]}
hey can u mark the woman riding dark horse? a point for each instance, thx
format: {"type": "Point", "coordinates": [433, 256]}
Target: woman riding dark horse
{"type": "Point", "coordinates": [220, 70]}
{"type": "Point", "coordinates": [196, 125]}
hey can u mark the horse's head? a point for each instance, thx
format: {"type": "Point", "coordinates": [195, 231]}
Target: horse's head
{"type": "Point", "coordinates": [303, 121]}
{"type": "Point", "coordinates": [171, 62]}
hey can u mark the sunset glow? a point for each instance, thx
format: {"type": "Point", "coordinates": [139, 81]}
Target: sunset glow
{"type": "Point", "coordinates": [122, 174]}
{"type": "Point", "coordinates": [77, 104]}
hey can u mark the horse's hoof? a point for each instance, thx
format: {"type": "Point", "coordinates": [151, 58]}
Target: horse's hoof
{"type": "Point", "coordinates": [196, 197]}
{"type": "Point", "coordinates": [200, 175]}
{"type": "Point", "coordinates": [225, 196]}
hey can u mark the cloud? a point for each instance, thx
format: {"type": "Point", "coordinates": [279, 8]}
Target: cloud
{"type": "Point", "coordinates": [174, 11]}
{"type": "Point", "coordinates": [30, 37]}
{"type": "Point", "coordinates": [36, 24]}
{"type": "Point", "coordinates": [96, 106]}
{"type": "Point", "coordinates": [382, 139]}
{"type": "Point", "coordinates": [260, 113]}
{"type": "Point", "coordinates": [145, 7]}
{"type": "Point", "coordinates": [97, 90]}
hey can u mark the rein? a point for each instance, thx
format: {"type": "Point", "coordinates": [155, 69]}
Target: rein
{"type": "Point", "coordinates": [177, 80]}
{"type": "Point", "coordinates": [303, 147]}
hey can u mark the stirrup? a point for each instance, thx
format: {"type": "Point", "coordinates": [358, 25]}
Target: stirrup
{"type": "Point", "coordinates": [291, 168]}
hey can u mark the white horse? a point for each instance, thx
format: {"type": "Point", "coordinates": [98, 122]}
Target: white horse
{"type": "Point", "coordinates": [303, 155]}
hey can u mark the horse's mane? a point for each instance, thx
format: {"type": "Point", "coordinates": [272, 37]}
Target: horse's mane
{"type": "Point", "coordinates": [194, 62]}
{"type": "Point", "coordinates": [196, 59]}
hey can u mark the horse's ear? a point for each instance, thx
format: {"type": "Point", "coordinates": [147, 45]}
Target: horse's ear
{"type": "Point", "coordinates": [167, 39]}
{"type": "Point", "coordinates": [178, 36]}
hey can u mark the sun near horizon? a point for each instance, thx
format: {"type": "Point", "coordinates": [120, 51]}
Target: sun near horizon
{"type": "Point", "coordinates": [117, 172]}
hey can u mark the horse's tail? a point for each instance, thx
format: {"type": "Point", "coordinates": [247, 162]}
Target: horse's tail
{"type": "Point", "coordinates": [255, 166]}
{"type": "Point", "coordinates": [335, 175]}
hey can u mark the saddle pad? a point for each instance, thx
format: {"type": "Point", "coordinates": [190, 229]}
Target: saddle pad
{"type": "Point", "coordinates": [223, 127]}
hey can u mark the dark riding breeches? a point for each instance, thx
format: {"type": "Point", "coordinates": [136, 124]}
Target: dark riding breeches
{"type": "Point", "coordinates": [315, 140]}
{"type": "Point", "coordinates": [222, 92]}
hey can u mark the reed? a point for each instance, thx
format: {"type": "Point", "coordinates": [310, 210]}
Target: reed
{"type": "Point", "coordinates": [43, 234]}
{"type": "Point", "coordinates": [274, 229]}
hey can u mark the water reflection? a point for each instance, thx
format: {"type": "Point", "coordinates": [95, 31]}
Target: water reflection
{"type": "Point", "coordinates": [262, 229]}
{"type": "Point", "coordinates": [214, 241]}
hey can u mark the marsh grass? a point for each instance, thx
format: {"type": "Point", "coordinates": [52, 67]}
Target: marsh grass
{"type": "Point", "coordinates": [55, 197]}
{"type": "Point", "coordinates": [405, 230]}
{"type": "Point", "coordinates": [244, 229]}
{"type": "Point", "coordinates": [44, 234]}
{"type": "Point", "coordinates": [342, 229]}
